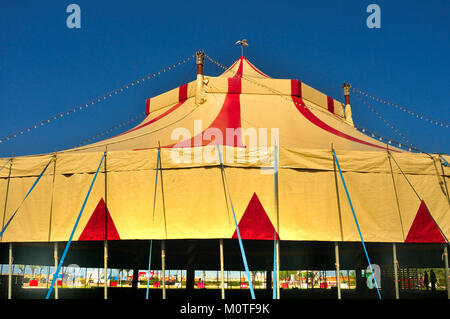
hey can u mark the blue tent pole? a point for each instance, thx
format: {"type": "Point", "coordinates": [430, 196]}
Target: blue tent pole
{"type": "Point", "coordinates": [274, 284]}
{"type": "Point", "coordinates": [148, 271]}
{"type": "Point", "coordinates": [241, 246]}
{"type": "Point", "coordinates": [275, 294]}
{"type": "Point", "coordinates": [55, 275]}
{"type": "Point", "coordinates": [29, 192]}
{"type": "Point", "coordinates": [356, 221]}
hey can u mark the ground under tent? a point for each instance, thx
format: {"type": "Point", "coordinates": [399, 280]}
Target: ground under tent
{"type": "Point", "coordinates": [204, 255]}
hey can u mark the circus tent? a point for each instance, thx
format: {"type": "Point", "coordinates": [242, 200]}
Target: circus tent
{"type": "Point", "coordinates": [398, 196]}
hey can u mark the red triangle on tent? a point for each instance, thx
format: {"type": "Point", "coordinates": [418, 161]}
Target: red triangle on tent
{"type": "Point", "coordinates": [95, 228]}
{"type": "Point", "coordinates": [255, 224]}
{"type": "Point", "coordinates": [423, 228]}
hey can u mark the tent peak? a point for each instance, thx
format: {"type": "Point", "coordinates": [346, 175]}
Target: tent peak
{"type": "Point", "coordinates": [243, 67]}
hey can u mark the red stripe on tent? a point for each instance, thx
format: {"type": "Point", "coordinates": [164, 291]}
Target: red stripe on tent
{"type": "Point", "coordinates": [296, 88]}
{"type": "Point", "coordinates": [229, 117]}
{"type": "Point", "coordinates": [300, 105]}
{"type": "Point", "coordinates": [147, 109]}
{"type": "Point", "coordinates": [423, 228]}
{"type": "Point", "coordinates": [95, 228]}
{"type": "Point", "coordinates": [235, 85]}
{"type": "Point", "coordinates": [182, 93]}
{"type": "Point", "coordinates": [330, 102]}
{"type": "Point", "coordinates": [173, 108]}
{"type": "Point", "coordinates": [255, 224]}
{"type": "Point", "coordinates": [253, 67]}
{"type": "Point", "coordinates": [239, 71]}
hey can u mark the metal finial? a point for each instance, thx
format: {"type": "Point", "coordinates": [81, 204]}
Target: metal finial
{"type": "Point", "coordinates": [243, 43]}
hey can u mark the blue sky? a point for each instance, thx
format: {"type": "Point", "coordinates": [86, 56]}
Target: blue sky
{"type": "Point", "coordinates": [47, 68]}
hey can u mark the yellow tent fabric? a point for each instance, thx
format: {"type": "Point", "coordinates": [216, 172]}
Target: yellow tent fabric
{"type": "Point", "coordinates": [193, 203]}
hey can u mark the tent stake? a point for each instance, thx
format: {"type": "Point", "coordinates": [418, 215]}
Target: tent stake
{"type": "Point", "coordinates": [55, 256]}
{"type": "Point", "coordinates": [338, 269]}
{"type": "Point", "coordinates": [10, 272]}
{"type": "Point", "coordinates": [394, 251]}
{"type": "Point", "coordinates": [163, 267]}
{"type": "Point", "coordinates": [447, 278]}
{"type": "Point", "coordinates": [222, 283]}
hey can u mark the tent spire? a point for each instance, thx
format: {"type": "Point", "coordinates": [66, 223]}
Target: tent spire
{"type": "Point", "coordinates": [348, 111]}
{"type": "Point", "coordinates": [200, 61]}
{"type": "Point", "coordinates": [199, 93]}
{"type": "Point", "coordinates": [243, 43]}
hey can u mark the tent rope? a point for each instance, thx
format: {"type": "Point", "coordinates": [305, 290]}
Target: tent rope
{"type": "Point", "coordinates": [5, 164]}
{"type": "Point", "coordinates": [420, 198]}
{"type": "Point", "coordinates": [356, 221]}
{"type": "Point", "coordinates": [241, 246]}
{"type": "Point", "coordinates": [29, 192]}
{"type": "Point", "coordinates": [96, 100]}
{"type": "Point", "coordinates": [66, 249]}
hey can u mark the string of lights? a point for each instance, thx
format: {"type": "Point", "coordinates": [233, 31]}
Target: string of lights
{"type": "Point", "coordinates": [111, 129]}
{"type": "Point", "coordinates": [404, 109]}
{"type": "Point", "coordinates": [386, 122]}
{"type": "Point", "coordinates": [389, 140]}
{"type": "Point", "coordinates": [94, 101]}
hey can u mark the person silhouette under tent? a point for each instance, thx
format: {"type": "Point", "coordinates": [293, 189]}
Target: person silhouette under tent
{"type": "Point", "coordinates": [425, 280]}
{"type": "Point", "coordinates": [433, 280]}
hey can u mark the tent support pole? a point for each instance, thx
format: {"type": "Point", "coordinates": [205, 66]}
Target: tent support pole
{"type": "Point", "coordinates": [10, 271]}
{"type": "Point", "coordinates": [394, 251]}
{"type": "Point", "coordinates": [278, 269]}
{"type": "Point", "coordinates": [55, 257]}
{"type": "Point", "coordinates": [337, 195]}
{"type": "Point", "coordinates": [105, 243]}
{"type": "Point", "coordinates": [105, 270]}
{"type": "Point", "coordinates": [396, 195]}
{"type": "Point", "coordinates": [447, 278]}
{"type": "Point", "coordinates": [222, 278]}
{"type": "Point", "coordinates": [338, 269]}
{"type": "Point", "coordinates": [277, 209]}
{"type": "Point", "coordinates": [163, 267]}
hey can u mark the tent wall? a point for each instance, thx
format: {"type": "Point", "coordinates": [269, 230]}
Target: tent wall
{"type": "Point", "coordinates": [194, 201]}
